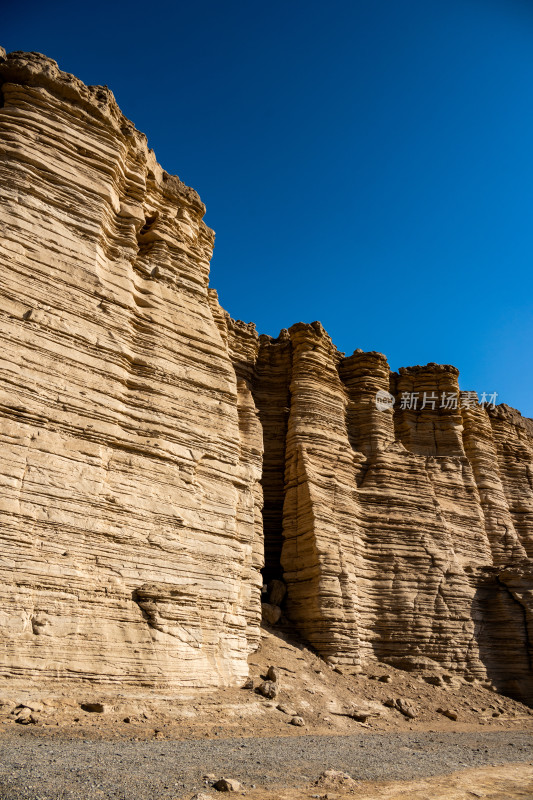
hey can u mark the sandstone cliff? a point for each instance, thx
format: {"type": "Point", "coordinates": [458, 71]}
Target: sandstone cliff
{"type": "Point", "coordinates": [143, 431]}
{"type": "Point", "coordinates": [130, 499]}
{"type": "Point", "coordinates": [406, 534]}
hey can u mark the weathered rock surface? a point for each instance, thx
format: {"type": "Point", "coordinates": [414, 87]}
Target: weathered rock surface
{"type": "Point", "coordinates": [131, 454]}
{"type": "Point", "coordinates": [148, 440]}
{"type": "Point", "coordinates": [406, 534]}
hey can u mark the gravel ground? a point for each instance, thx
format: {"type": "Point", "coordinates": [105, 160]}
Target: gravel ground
{"type": "Point", "coordinates": [37, 769]}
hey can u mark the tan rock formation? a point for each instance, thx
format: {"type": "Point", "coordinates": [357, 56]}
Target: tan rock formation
{"type": "Point", "coordinates": [130, 499]}
{"type": "Point", "coordinates": [405, 532]}
{"type": "Point", "coordinates": [142, 429]}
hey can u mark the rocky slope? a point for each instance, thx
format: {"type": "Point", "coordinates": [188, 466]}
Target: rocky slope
{"type": "Point", "coordinates": [143, 430]}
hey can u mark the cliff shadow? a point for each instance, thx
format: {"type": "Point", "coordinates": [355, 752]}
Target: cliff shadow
{"type": "Point", "coordinates": [272, 396]}
{"type": "Point", "coordinates": [500, 630]}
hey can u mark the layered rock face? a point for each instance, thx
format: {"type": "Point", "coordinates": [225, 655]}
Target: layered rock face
{"type": "Point", "coordinates": [156, 453]}
{"type": "Point", "coordinates": [406, 533]}
{"type": "Point", "coordinates": [130, 496]}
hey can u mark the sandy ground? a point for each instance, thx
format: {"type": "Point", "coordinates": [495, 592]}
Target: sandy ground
{"type": "Point", "coordinates": [138, 746]}
{"type": "Point", "coordinates": [512, 782]}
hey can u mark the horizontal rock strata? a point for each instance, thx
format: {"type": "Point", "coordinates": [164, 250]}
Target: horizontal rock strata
{"type": "Point", "coordinates": [156, 453]}
{"type": "Point", "coordinates": [130, 479]}
{"type": "Point", "coordinates": [405, 533]}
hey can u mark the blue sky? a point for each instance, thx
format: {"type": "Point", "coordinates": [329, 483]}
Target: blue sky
{"type": "Point", "coordinates": [368, 164]}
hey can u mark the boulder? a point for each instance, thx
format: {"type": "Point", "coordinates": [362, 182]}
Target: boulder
{"type": "Point", "coordinates": [227, 785]}
{"type": "Point", "coordinates": [268, 689]}
{"type": "Point", "coordinates": [448, 712]}
{"type": "Point", "coordinates": [274, 675]}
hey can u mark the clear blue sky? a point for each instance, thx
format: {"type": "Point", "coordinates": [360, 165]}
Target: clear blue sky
{"type": "Point", "coordinates": [368, 164]}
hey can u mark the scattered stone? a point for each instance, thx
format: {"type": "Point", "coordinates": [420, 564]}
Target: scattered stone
{"type": "Point", "coordinates": [268, 689]}
{"type": "Point", "coordinates": [248, 684]}
{"type": "Point", "coordinates": [227, 785]}
{"type": "Point", "coordinates": [448, 712]}
{"type": "Point", "coordinates": [27, 717]}
{"type": "Point", "coordinates": [407, 708]}
{"type": "Point", "coordinates": [385, 678]}
{"type": "Point", "coordinates": [334, 779]}
{"type": "Point", "coordinates": [298, 721]}
{"type": "Point", "coordinates": [273, 674]}
{"type": "Point", "coordinates": [404, 706]}
{"type": "Point", "coordinates": [338, 670]}
{"type": "Point", "coordinates": [202, 796]}
{"type": "Point", "coordinates": [270, 613]}
{"type": "Point", "coordinates": [96, 708]}
{"type": "Point", "coordinates": [286, 710]}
